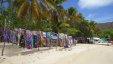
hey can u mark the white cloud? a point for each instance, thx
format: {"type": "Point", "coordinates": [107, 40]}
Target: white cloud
{"type": "Point", "coordinates": [90, 16]}
{"type": "Point", "coordinates": [94, 3]}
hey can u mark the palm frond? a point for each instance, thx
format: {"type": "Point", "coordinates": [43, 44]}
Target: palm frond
{"type": "Point", "coordinates": [35, 9]}
{"type": "Point", "coordinates": [23, 9]}
{"type": "Point", "coordinates": [49, 5]}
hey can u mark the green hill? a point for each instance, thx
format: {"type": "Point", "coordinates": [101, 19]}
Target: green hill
{"type": "Point", "coordinates": [105, 26]}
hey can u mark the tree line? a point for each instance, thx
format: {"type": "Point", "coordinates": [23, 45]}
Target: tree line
{"type": "Point", "coordinates": [46, 15]}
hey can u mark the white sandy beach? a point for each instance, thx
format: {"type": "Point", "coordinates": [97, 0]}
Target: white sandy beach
{"type": "Point", "coordinates": [15, 55]}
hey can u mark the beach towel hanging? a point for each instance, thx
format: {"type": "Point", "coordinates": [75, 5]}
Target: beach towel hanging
{"type": "Point", "coordinates": [16, 31]}
{"type": "Point", "coordinates": [60, 38]}
{"type": "Point", "coordinates": [66, 42]}
{"type": "Point", "coordinates": [6, 35]}
{"type": "Point", "coordinates": [14, 37]}
{"type": "Point", "coordinates": [10, 36]}
{"type": "Point", "coordinates": [42, 41]}
{"type": "Point", "coordinates": [19, 34]}
{"type": "Point", "coordinates": [48, 36]}
{"type": "Point", "coordinates": [29, 39]}
{"type": "Point", "coordinates": [22, 39]}
{"type": "Point", "coordinates": [44, 34]}
{"type": "Point", "coordinates": [35, 39]}
{"type": "Point", "coordinates": [54, 39]}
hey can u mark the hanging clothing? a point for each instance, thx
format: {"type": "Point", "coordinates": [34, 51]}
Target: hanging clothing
{"type": "Point", "coordinates": [22, 39]}
{"type": "Point", "coordinates": [54, 39]}
{"type": "Point", "coordinates": [42, 40]}
{"type": "Point", "coordinates": [35, 39]}
{"type": "Point", "coordinates": [29, 39]}
{"type": "Point", "coordinates": [6, 35]}
{"type": "Point", "coordinates": [19, 32]}
{"type": "Point", "coordinates": [16, 31]}
{"type": "Point", "coordinates": [11, 34]}
{"type": "Point", "coordinates": [66, 42]}
{"type": "Point", "coordinates": [45, 39]}
{"type": "Point", "coordinates": [14, 37]}
{"type": "Point", "coordinates": [48, 37]}
{"type": "Point", "coordinates": [61, 39]}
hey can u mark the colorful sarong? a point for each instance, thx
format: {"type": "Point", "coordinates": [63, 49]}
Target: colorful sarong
{"type": "Point", "coordinates": [29, 39]}
{"type": "Point", "coordinates": [22, 39]}
{"type": "Point", "coordinates": [6, 35]}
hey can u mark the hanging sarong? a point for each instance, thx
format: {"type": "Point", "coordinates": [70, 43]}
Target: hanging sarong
{"type": "Point", "coordinates": [22, 40]}
{"type": "Point", "coordinates": [19, 34]}
{"type": "Point", "coordinates": [60, 42]}
{"type": "Point", "coordinates": [39, 38]}
{"type": "Point", "coordinates": [45, 39]}
{"type": "Point", "coordinates": [66, 42]}
{"type": "Point", "coordinates": [54, 39]}
{"type": "Point", "coordinates": [10, 37]}
{"type": "Point", "coordinates": [16, 31]}
{"type": "Point", "coordinates": [13, 37]}
{"type": "Point", "coordinates": [29, 39]}
{"type": "Point", "coordinates": [6, 35]}
{"type": "Point", "coordinates": [35, 39]}
{"type": "Point", "coordinates": [48, 36]}
{"type": "Point", "coordinates": [42, 41]}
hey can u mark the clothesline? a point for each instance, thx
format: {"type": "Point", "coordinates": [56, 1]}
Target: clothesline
{"type": "Point", "coordinates": [34, 39]}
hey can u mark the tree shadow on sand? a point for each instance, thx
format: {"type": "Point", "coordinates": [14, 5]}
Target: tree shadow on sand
{"type": "Point", "coordinates": [14, 50]}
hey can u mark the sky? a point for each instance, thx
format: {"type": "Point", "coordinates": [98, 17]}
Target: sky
{"type": "Point", "coordinates": [100, 11]}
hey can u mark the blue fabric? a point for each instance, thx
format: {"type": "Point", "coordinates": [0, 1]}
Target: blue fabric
{"type": "Point", "coordinates": [6, 35]}
{"type": "Point", "coordinates": [29, 40]}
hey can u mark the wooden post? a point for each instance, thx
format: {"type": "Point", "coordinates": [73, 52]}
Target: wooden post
{"type": "Point", "coordinates": [3, 49]}
{"type": "Point", "coordinates": [4, 42]}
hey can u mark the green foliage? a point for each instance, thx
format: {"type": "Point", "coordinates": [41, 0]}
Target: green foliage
{"type": "Point", "coordinates": [60, 1]}
{"type": "Point", "coordinates": [107, 34]}
{"type": "Point", "coordinates": [72, 31]}
{"type": "Point", "coordinates": [1, 21]}
{"type": "Point", "coordinates": [72, 11]}
{"type": "Point", "coordinates": [48, 15]}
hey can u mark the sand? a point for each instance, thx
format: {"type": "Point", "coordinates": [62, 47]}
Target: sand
{"type": "Point", "coordinates": [15, 55]}
{"type": "Point", "coordinates": [102, 54]}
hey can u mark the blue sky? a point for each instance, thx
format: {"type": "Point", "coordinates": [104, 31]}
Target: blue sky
{"type": "Point", "coordinates": [100, 11]}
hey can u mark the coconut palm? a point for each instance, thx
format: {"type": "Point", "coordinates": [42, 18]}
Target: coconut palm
{"type": "Point", "coordinates": [93, 28]}
{"type": "Point", "coordinates": [41, 11]}
{"type": "Point", "coordinates": [56, 17]}
{"type": "Point", "coordinates": [35, 9]}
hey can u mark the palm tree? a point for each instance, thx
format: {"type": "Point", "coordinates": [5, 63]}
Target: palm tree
{"type": "Point", "coordinates": [56, 17]}
{"type": "Point", "coordinates": [38, 11]}
{"type": "Point", "coordinates": [32, 8]}
{"type": "Point", "coordinates": [93, 28]}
